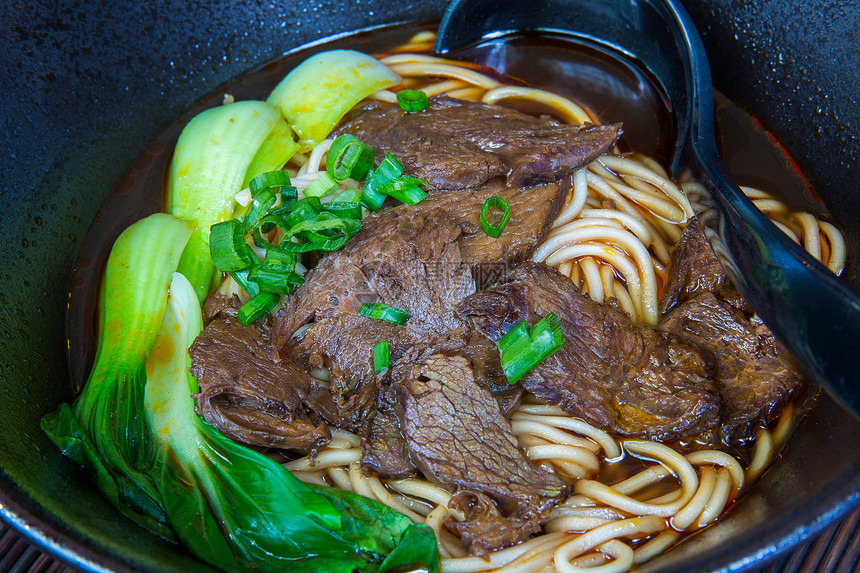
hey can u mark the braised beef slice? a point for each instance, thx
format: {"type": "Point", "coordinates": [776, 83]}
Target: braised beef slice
{"type": "Point", "coordinates": [754, 375]}
{"type": "Point", "coordinates": [754, 381]}
{"type": "Point", "coordinates": [459, 438]}
{"type": "Point", "coordinates": [621, 376]}
{"type": "Point", "coordinates": [383, 441]}
{"type": "Point", "coordinates": [247, 390]}
{"type": "Point", "coordinates": [533, 209]}
{"type": "Point", "coordinates": [695, 269]}
{"type": "Point", "coordinates": [384, 450]}
{"type": "Point", "coordinates": [409, 260]}
{"type": "Point", "coordinates": [456, 144]}
{"type": "Point", "coordinates": [484, 528]}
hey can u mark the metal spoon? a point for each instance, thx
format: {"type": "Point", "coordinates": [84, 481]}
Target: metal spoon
{"type": "Point", "coordinates": [815, 314]}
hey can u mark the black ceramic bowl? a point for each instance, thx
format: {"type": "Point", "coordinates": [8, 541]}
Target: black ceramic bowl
{"type": "Point", "coordinates": [88, 85]}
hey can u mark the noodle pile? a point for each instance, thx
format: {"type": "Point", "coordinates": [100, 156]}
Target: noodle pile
{"type": "Point", "coordinates": [614, 239]}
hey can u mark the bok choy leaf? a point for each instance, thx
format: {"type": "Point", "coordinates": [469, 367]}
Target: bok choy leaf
{"type": "Point", "coordinates": [240, 510]}
{"type": "Point", "coordinates": [217, 154]}
{"type": "Point", "coordinates": [319, 91]}
{"type": "Point", "coordinates": [103, 430]}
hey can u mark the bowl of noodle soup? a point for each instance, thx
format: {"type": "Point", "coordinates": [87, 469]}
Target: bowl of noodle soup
{"type": "Point", "coordinates": [813, 480]}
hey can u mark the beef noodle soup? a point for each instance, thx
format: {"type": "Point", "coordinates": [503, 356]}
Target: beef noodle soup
{"type": "Point", "coordinates": [402, 353]}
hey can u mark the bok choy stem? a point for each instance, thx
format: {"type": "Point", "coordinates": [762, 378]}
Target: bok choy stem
{"type": "Point", "coordinates": [319, 91]}
{"type": "Point", "coordinates": [217, 154]}
{"type": "Point", "coordinates": [102, 430]}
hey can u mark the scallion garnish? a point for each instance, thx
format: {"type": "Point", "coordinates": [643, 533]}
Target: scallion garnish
{"type": "Point", "coordinates": [249, 286]}
{"type": "Point", "coordinates": [228, 248]}
{"type": "Point", "coordinates": [322, 186]}
{"type": "Point", "coordinates": [262, 202]}
{"type": "Point", "coordinates": [269, 180]}
{"type": "Point", "coordinates": [344, 209]}
{"type": "Point", "coordinates": [384, 312]}
{"type": "Point", "coordinates": [405, 189]}
{"type": "Point", "coordinates": [325, 232]}
{"type": "Point", "coordinates": [495, 203]}
{"type": "Point", "coordinates": [412, 100]}
{"type": "Point", "coordinates": [373, 193]}
{"type": "Point", "coordinates": [380, 356]}
{"type": "Point", "coordinates": [521, 351]}
{"type": "Point", "coordinates": [276, 273]}
{"type": "Point", "coordinates": [257, 307]}
{"type": "Point", "coordinates": [349, 158]}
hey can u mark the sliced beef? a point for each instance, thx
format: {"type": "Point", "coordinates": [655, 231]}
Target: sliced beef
{"type": "Point", "coordinates": [384, 442]}
{"type": "Point", "coordinates": [458, 436]}
{"type": "Point", "coordinates": [456, 144]}
{"type": "Point", "coordinates": [247, 390]}
{"type": "Point", "coordinates": [404, 258]}
{"type": "Point", "coordinates": [753, 373]}
{"type": "Point", "coordinates": [695, 269]}
{"type": "Point", "coordinates": [753, 379]}
{"type": "Point", "coordinates": [384, 449]}
{"type": "Point", "coordinates": [409, 260]}
{"type": "Point", "coordinates": [485, 528]}
{"type": "Point", "coordinates": [533, 209]}
{"type": "Point", "coordinates": [621, 376]}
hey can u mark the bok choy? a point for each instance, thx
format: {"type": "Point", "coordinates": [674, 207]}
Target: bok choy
{"type": "Point", "coordinates": [217, 155]}
{"type": "Point", "coordinates": [316, 94]}
{"type": "Point", "coordinates": [134, 427]}
{"type": "Point", "coordinates": [103, 430]}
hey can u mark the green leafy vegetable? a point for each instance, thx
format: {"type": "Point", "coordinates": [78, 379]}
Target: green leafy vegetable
{"type": "Point", "coordinates": [103, 430]}
{"type": "Point", "coordinates": [319, 91]}
{"type": "Point", "coordinates": [217, 153]}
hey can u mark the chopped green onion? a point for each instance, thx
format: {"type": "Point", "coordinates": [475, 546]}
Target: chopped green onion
{"type": "Point", "coordinates": [275, 282]}
{"type": "Point", "coordinates": [344, 209]}
{"type": "Point", "coordinates": [412, 100]}
{"type": "Point", "coordinates": [263, 201]}
{"type": "Point", "coordinates": [288, 195]}
{"type": "Point", "coordinates": [228, 248]}
{"type": "Point", "coordinates": [495, 203]}
{"type": "Point", "coordinates": [405, 189]}
{"type": "Point", "coordinates": [373, 195]}
{"type": "Point", "coordinates": [384, 312]}
{"type": "Point", "coordinates": [348, 196]}
{"type": "Point", "coordinates": [276, 273]}
{"type": "Point", "coordinates": [296, 212]}
{"type": "Point", "coordinates": [257, 307]}
{"type": "Point", "coordinates": [325, 232]}
{"type": "Point", "coordinates": [370, 197]}
{"type": "Point", "coordinates": [349, 158]}
{"type": "Point", "coordinates": [249, 286]}
{"type": "Point", "coordinates": [268, 180]}
{"type": "Point", "coordinates": [521, 351]}
{"type": "Point", "coordinates": [322, 186]}
{"type": "Point", "coordinates": [380, 356]}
